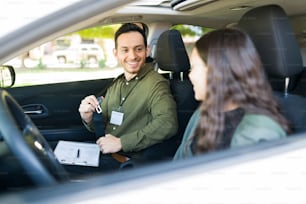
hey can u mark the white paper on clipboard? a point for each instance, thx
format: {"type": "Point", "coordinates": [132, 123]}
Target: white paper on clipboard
{"type": "Point", "coordinates": [77, 153]}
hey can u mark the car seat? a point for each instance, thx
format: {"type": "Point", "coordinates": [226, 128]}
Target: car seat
{"type": "Point", "coordinates": [273, 36]}
{"type": "Point", "coordinates": [172, 57]}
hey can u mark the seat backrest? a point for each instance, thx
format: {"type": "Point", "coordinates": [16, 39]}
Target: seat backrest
{"type": "Point", "coordinates": [271, 31]}
{"type": "Point", "coordinates": [273, 36]}
{"type": "Point", "coordinates": [171, 56]}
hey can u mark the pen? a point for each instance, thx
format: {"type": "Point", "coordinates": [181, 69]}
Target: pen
{"type": "Point", "coordinates": [78, 153]}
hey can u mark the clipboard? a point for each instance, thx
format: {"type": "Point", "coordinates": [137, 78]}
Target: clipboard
{"type": "Point", "coordinates": [77, 153]}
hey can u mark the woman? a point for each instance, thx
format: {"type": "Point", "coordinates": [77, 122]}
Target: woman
{"type": "Point", "coordinates": [237, 106]}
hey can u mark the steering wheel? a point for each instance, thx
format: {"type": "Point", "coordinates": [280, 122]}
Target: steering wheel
{"type": "Point", "coordinates": [27, 144]}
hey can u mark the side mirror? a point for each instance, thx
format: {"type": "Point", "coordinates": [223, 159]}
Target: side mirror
{"type": "Point", "coordinates": [7, 76]}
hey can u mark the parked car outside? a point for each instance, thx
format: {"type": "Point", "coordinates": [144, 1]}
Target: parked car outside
{"type": "Point", "coordinates": [80, 53]}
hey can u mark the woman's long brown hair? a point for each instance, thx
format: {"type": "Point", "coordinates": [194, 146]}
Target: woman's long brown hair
{"type": "Point", "coordinates": [235, 74]}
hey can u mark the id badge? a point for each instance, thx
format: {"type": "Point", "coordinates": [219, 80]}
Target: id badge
{"type": "Point", "coordinates": [116, 117]}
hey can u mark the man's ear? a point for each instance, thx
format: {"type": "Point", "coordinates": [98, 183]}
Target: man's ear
{"type": "Point", "coordinates": [148, 50]}
{"type": "Point", "coordinates": [115, 52]}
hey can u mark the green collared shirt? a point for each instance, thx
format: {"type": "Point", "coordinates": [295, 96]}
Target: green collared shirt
{"type": "Point", "coordinates": [148, 107]}
{"type": "Point", "coordinates": [252, 129]}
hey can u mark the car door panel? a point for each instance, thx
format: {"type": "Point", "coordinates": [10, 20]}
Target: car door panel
{"type": "Point", "coordinates": [54, 107]}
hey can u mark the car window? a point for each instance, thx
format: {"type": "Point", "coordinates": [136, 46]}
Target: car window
{"type": "Point", "coordinates": [190, 34]}
{"type": "Point", "coordinates": [83, 55]}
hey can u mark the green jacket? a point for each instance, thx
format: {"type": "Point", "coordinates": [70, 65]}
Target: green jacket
{"type": "Point", "coordinates": [252, 129]}
{"type": "Point", "coordinates": [149, 110]}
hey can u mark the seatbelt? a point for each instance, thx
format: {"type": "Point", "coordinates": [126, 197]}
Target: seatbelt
{"type": "Point", "coordinates": [99, 121]}
{"type": "Point", "coordinates": [100, 130]}
{"type": "Point", "coordinates": [98, 116]}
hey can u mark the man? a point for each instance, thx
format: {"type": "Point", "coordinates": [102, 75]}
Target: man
{"type": "Point", "coordinates": [138, 109]}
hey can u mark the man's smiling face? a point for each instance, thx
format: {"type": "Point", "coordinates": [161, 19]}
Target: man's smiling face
{"type": "Point", "coordinates": [131, 52]}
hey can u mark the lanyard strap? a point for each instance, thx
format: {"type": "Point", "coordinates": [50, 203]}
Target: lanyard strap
{"type": "Point", "coordinates": [123, 99]}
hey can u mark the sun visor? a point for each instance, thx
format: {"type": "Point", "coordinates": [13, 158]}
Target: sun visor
{"type": "Point", "coordinates": [187, 5]}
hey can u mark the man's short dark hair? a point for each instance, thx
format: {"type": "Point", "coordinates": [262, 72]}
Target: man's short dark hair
{"type": "Point", "coordinates": [130, 27]}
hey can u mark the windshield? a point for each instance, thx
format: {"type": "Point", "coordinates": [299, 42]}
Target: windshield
{"type": "Point", "coordinates": [17, 13]}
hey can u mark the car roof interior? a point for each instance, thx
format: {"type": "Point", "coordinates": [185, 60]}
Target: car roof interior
{"type": "Point", "coordinates": [210, 13]}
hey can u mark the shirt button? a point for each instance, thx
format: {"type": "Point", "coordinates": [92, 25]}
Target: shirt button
{"type": "Point", "coordinates": [123, 99]}
{"type": "Point", "coordinates": [127, 83]}
{"type": "Point", "coordinates": [136, 78]}
{"type": "Point", "coordinates": [114, 128]}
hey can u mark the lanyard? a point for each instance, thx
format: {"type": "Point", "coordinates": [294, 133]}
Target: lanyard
{"type": "Point", "coordinates": [123, 99]}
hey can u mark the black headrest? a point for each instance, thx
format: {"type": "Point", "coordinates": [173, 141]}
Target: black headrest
{"type": "Point", "coordinates": [273, 36]}
{"type": "Point", "coordinates": [171, 54]}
